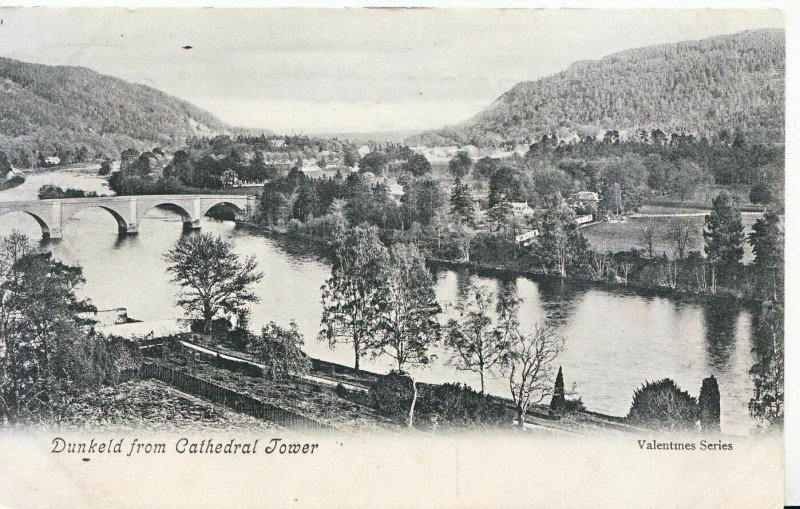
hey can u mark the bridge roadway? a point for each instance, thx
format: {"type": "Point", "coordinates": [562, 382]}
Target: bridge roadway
{"type": "Point", "coordinates": [128, 211]}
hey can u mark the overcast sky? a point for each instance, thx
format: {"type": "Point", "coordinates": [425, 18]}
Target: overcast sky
{"type": "Point", "coordinates": [349, 70]}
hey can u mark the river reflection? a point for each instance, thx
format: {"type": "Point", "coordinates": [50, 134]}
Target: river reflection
{"type": "Point", "coordinates": [614, 341]}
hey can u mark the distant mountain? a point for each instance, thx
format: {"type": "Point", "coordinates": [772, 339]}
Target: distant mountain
{"type": "Point", "coordinates": [732, 81]}
{"type": "Point", "coordinates": [56, 110]}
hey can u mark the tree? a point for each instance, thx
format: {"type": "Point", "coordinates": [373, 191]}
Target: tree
{"type": "Point", "coordinates": [766, 238]}
{"type": "Point", "coordinates": [45, 357]}
{"type": "Point", "coordinates": [460, 165]}
{"type": "Point", "coordinates": [461, 206]}
{"type": "Point", "coordinates": [647, 238]}
{"type": "Point", "coordinates": [274, 206]}
{"type": "Point", "coordinates": [422, 199]}
{"type": "Point", "coordinates": [500, 216]}
{"type": "Point", "coordinates": [5, 166]}
{"type": "Point", "coordinates": [417, 165]}
{"type": "Point", "coordinates": [767, 406]}
{"type": "Point", "coordinates": [686, 178]}
{"type": "Point", "coordinates": [281, 351]}
{"type": "Point", "coordinates": [559, 401]}
{"type": "Point", "coordinates": [475, 344]}
{"type": "Point", "coordinates": [485, 167]}
{"type": "Point", "coordinates": [761, 192]}
{"type": "Point", "coordinates": [408, 325]}
{"type": "Point", "coordinates": [350, 158]}
{"type": "Point", "coordinates": [558, 244]}
{"type": "Point", "coordinates": [529, 364]}
{"type": "Point", "coordinates": [708, 404]}
{"type": "Point", "coordinates": [354, 296]}
{"type": "Point", "coordinates": [211, 276]}
{"type": "Point", "coordinates": [681, 232]}
{"type": "Point", "coordinates": [507, 184]}
{"type": "Point", "coordinates": [105, 167]}
{"type": "Point", "coordinates": [374, 162]}
{"type": "Point", "coordinates": [724, 234]}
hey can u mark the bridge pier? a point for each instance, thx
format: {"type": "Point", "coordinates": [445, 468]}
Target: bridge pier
{"type": "Point", "coordinates": [52, 233]}
{"type": "Point", "coordinates": [129, 229]}
{"type": "Point", "coordinates": [191, 225]}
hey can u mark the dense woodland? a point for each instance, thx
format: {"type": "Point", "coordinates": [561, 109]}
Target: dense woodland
{"type": "Point", "coordinates": [60, 110]}
{"type": "Point", "coordinates": [692, 87]}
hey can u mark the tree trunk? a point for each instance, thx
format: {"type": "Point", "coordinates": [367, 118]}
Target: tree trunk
{"type": "Point", "coordinates": [208, 317]}
{"type": "Point", "coordinates": [413, 404]}
{"type": "Point", "coordinates": [520, 416]}
{"type": "Point", "coordinates": [355, 347]}
{"type": "Point", "coordinates": [482, 389]}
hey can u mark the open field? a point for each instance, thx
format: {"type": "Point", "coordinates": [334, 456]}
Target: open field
{"type": "Point", "coordinates": [627, 235]}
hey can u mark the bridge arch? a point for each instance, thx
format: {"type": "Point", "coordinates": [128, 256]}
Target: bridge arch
{"type": "Point", "coordinates": [238, 210]}
{"type": "Point", "coordinates": [42, 223]}
{"type": "Point", "coordinates": [122, 223]}
{"type": "Point", "coordinates": [171, 206]}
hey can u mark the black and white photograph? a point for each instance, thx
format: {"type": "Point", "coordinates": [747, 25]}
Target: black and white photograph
{"type": "Point", "coordinates": [269, 234]}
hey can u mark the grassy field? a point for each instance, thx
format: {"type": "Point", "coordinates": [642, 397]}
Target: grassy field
{"type": "Point", "coordinates": [627, 235]}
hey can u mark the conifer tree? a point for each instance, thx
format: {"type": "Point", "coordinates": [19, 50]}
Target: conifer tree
{"type": "Point", "coordinates": [558, 402]}
{"type": "Point", "coordinates": [724, 234]}
{"type": "Point", "coordinates": [461, 203]}
{"type": "Point", "coordinates": [709, 404]}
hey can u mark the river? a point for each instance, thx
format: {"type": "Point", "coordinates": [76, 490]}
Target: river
{"type": "Point", "coordinates": [614, 341]}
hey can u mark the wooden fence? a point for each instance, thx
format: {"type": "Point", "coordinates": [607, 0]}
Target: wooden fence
{"type": "Point", "coordinates": [239, 402]}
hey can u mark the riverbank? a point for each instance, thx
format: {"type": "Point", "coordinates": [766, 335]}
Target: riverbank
{"type": "Point", "coordinates": [501, 271]}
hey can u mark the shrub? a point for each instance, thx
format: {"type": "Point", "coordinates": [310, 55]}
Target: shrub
{"type": "Point", "coordinates": [217, 325]}
{"type": "Point", "coordinates": [391, 395]}
{"type": "Point", "coordinates": [574, 405]}
{"type": "Point", "coordinates": [458, 406]}
{"type": "Point", "coordinates": [342, 391]}
{"type": "Point", "coordinates": [52, 192]}
{"type": "Point", "coordinates": [116, 359]}
{"type": "Point", "coordinates": [281, 351]}
{"type": "Point", "coordinates": [663, 405]}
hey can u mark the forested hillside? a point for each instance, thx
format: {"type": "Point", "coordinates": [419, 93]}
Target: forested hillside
{"type": "Point", "coordinates": [56, 110]}
{"type": "Point", "coordinates": [698, 87]}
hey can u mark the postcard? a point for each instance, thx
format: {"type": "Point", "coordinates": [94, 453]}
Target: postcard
{"type": "Point", "coordinates": [449, 257]}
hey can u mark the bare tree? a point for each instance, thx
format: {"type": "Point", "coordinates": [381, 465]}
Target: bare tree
{"type": "Point", "coordinates": [647, 238]}
{"type": "Point", "coordinates": [598, 264]}
{"type": "Point", "coordinates": [530, 367]}
{"type": "Point", "coordinates": [681, 232]}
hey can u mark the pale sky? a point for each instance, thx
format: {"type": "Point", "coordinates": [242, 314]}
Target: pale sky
{"type": "Point", "coordinates": [345, 70]}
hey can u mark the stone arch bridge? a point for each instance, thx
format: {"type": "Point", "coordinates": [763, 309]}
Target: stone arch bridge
{"type": "Point", "coordinates": [128, 211]}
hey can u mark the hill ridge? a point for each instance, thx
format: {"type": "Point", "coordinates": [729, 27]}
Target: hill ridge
{"type": "Point", "coordinates": [57, 109]}
{"type": "Point", "coordinates": [733, 81]}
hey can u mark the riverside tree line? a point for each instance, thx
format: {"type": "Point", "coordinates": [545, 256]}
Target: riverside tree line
{"type": "Point", "coordinates": [379, 300]}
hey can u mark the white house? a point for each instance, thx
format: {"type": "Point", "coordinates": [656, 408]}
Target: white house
{"type": "Point", "coordinates": [520, 208]}
{"type": "Point", "coordinates": [587, 197]}
{"type": "Point", "coordinates": [527, 237]}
